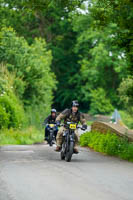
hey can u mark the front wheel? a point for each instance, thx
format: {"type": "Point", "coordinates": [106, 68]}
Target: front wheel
{"type": "Point", "coordinates": [50, 139]}
{"type": "Point", "coordinates": [70, 152]}
{"type": "Point", "coordinates": [63, 151]}
{"type": "Point", "coordinates": [62, 155]}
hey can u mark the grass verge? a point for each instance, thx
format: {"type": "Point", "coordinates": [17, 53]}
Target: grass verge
{"type": "Point", "coordinates": [21, 137]}
{"type": "Point", "coordinates": [110, 144]}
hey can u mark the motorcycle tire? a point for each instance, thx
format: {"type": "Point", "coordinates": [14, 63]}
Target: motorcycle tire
{"type": "Point", "coordinates": [69, 154]}
{"type": "Point", "coordinates": [62, 155]}
{"type": "Point", "coordinates": [51, 139]}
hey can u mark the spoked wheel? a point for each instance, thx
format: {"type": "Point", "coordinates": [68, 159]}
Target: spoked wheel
{"type": "Point", "coordinates": [62, 155]}
{"type": "Point", "coordinates": [51, 139]}
{"type": "Point", "coordinates": [63, 152]}
{"type": "Point", "coordinates": [70, 152]}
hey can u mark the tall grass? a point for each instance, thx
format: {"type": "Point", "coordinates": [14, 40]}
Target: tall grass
{"type": "Point", "coordinates": [27, 136]}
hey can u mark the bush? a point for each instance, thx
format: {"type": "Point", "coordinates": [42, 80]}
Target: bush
{"type": "Point", "coordinates": [12, 113]}
{"type": "Point", "coordinates": [110, 144]}
{"type": "Point", "coordinates": [127, 119]}
{"type": "Point", "coordinates": [126, 94]}
{"type": "Point", "coordinates": [11, 110]}
{"type": "Point", "coordinates": [4, 118]}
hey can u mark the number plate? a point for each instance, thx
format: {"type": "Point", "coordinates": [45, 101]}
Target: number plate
{"type": "Point", "coordinates": [72, 126]}
{"type": "Point", "coordinates": [51, 125]}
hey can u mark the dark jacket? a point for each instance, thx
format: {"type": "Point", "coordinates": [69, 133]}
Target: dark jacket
{"type": "Point", "coordinates": [49, 120]}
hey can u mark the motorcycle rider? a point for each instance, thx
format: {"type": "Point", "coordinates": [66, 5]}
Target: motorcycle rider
{"type": "Point", "coordinates": [70, 115]}
{"type": "Point", "coordinates": [50, 120]}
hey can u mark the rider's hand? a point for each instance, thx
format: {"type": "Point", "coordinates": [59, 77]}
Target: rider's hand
{"type": "Point", "coordinates": [84, 127]}
{"type": "Point", "coordinates": [58, 123]}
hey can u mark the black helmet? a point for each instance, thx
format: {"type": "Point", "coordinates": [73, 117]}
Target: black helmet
{"type": "Point", "coordinates": [75, 103]}
{"type": "Point", "coordinates": [53, 110]}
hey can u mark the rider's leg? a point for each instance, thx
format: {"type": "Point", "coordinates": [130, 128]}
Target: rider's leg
{"type": "Point", "coordinates": [55, 133]}
{"type": "Point", "coordinates": [46, 133]}
{"type": "Point", "coordinates": [59, 138]}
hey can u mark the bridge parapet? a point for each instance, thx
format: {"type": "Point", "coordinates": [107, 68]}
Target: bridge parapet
{"type": "Point", "coordinates": [105, 127]}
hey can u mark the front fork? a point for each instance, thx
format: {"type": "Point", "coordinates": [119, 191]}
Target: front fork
{"type": "Point", "coordinates": [70, 138]}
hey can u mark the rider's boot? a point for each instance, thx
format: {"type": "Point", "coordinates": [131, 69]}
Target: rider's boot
{"type": "Point", "coordinates": [58, 148]}
{"type": "Point", "coordinates": [75, 150]}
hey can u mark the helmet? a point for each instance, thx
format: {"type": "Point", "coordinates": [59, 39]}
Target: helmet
{"type": "Point", "coordinates": [53, 110]}
{"type": "Point", "coordinates": [75, 103]}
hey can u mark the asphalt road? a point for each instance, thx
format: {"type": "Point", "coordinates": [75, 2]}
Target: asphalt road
{"type": "Point", "coordinates": [36, 173]}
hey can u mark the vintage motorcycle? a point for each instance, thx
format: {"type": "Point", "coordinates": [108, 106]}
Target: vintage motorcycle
{"type": "Point", "coordinates": [51, 136]}
{"type": "Point", "coordinates": [68, 141]}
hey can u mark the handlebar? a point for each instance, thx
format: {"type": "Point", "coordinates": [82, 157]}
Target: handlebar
{"type": "Point", "coordinates": [78, 127]}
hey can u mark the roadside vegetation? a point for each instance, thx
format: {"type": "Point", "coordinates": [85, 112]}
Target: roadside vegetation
{"type": "Point", "coordinates": [26, 87]}
{"type": "Point", "coordinates": [52, 52]}
{"type": "Point", "coordinates": [29, 135]}
{"type": "Point", "coordinates": [127, 119]}
{"type": "Point", "coordinates": [109, 144]}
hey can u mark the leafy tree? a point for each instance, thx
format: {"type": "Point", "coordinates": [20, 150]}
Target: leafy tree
{"type": "Point", "coordinates": [89, 50]}
{"type": "Point", "coordinates": [31, 64]}
{"type": "Point", "coordinates": [50, 20]}
{"type": "Point", "coordinates": [119, 12]}
{"type": "Point", "coordinates": [100, 104]}
{"type": "Point", "coordinates": [103, 62]}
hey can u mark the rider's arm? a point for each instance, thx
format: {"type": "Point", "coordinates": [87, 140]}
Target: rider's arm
{"type": "Point", "coordinates": [83, 121]}
{"type": "Point", "coordinates": [46, 121]}
{"type": "Point", "coordinates": [62, 115]}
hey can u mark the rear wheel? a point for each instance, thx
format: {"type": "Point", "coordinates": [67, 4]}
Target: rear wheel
{"type": "Point", "coordinates": [70, 152]}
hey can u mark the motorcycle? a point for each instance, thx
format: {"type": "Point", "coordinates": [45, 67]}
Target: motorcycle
{"type": "Point", "coordinates": [51, 136]}
{"type": "Point", "coordinates": [68, 141]}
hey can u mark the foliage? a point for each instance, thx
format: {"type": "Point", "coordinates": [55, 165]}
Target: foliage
{"type": "Point", "coordinates": [31, 64]}
{"type": "Point", "coordinates": [50, 20]}
{"type": "Point", "coordinates": [100, 104]}
{"type": "Point", "coordinates": [126, 94]}
{"type": "Point", "coordinates": [91, 49]}
{"type": "Point", "coordinates": [119, 12]}
{"type": "Point", "coordinates": [27, 136]}
{"type": "Point", "coordinates": [110, 144]}
{"type": "Point", "coordinates": [127, 119]}
{"type": "Point", "coordinates": [12, 114]}
{"type": "Point", "coordinates": [11, 110]}
{"type": "Point", "coordinates": [36, 115]}
{"type": "Point", "coordinates": [103, 62]}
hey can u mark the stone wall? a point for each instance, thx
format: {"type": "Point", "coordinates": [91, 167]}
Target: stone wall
{"type": "Point", "coordinates": [105, 127]}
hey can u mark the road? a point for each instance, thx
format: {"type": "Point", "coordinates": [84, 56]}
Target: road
{"type": "Point", "coordinates": [35, 172]}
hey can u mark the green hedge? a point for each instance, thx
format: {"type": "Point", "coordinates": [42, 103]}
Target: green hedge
{"type": "Point", "coordinates": [110, 144]}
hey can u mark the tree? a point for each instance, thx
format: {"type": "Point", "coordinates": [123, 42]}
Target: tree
{"type": "Point", "coordinates": [103, 63]}
{"type": "Point", "coordinates": [50, 20]}
{"type": "Point", "coordinates": [31, 64]}
{"type": "Point", "coordinates": [100, 104]}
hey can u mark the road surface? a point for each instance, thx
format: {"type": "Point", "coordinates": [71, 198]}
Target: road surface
{"type": "Point", "coordinates": [36, 173]}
